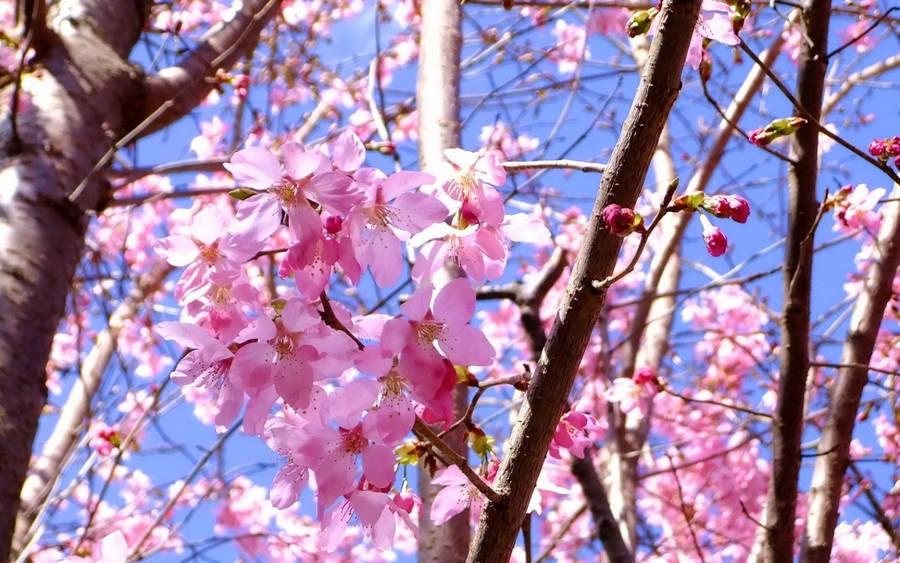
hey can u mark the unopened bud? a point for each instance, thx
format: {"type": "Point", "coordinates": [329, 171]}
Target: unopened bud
{"type": "Point", "coordinates": [775, 130]}
{"type": "Point", "coordinates": [639, 22]}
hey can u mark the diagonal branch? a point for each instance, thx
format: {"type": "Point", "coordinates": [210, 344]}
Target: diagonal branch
{"type": "Point", "coordinates": [175, 91]}
{"type": "Point", "coordinates": [621, 184]}
{"type": "Point", "coordinates": [834, 445]}
{"type": "Point", "coordinates": [76, 411]}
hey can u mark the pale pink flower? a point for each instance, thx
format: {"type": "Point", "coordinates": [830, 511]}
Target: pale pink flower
{"type": "Point", "coordinates": [570, 46]}
{"type": "Point", "coordinates": [390, 213]}
{"type": "Point", "coordinates": [457, 494]}
{"type": "Point", "coordinates": [625, 392]}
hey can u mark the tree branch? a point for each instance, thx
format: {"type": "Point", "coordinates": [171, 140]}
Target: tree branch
{"type": "Point", "coordinates": [75, 413]}
{"type": "Point", "coordinates": [834, 445]}
{"type": "Point", "coordinates": [175, 91]}
{"type": "Point", "coordinates": [787, 423]}
{"type": "Point", "coordinates": [621, 184]}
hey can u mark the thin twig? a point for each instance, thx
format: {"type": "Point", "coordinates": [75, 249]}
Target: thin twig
{"type": "Point", "coordinates": [427, 433]}
{"type": "Point", "coordinates": [645, 236]}
{"type": "Point", "coordinates": [184, 484]}
{"type": "Point", "coordinates": [812, 120]}
{"type": "Point", "coordinates": [687, 517]}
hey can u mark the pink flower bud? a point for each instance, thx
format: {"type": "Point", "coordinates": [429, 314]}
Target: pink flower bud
{"type": "Point", "coordinates": [644, 375]}
{"type": "Point", "coordinates": [333, 224]}
{"type": "Point", "coordinates": [777, 129]}
{"type": "Point", "coordinates": [622, 221]}
{"type": "Point", "coordinates": [716, 243]}
{"type": "Point", "coordinates": [728, 207]}
{"type": "Point", "coordinates": [876, 147]}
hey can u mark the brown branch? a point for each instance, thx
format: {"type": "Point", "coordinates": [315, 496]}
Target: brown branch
{"type": "Point", "coordinates": [886, 523]}
{"type": "Point", "coordinates": [175, 91]}
{"type": "Point", "coordinates": [787, 423]}
{"type": "Point", "coordinates": [166, 510]}
{"type": "Point", "coordinates": [834, 445]}
{"type": "Point", "coordinates": [608, 529]}
{"type": "Point", "coordinates": [621, 184]}
{"type": "Point", "coordinates": [688, 516]}
{"type": "Point", "coordinates": [517, 166]}
{"type": "Point", "coordinates": [427, 433]}
{"type": "Point", "coordinates": [856, 78]}
{"type": "Point", "coordinates": [813, 114]}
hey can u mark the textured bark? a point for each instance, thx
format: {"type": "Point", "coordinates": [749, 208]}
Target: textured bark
{"type": "Point", "coordinates": [621, 184]}
{"type": "Point", "coordinates": [74, 417]}
{"type": "Point", "coordinates": [787, 422]}
{"type": "Point", "coordinates": [529, 300]}
{"type": "Point", "coordinates": [77, 95]}
{"type": "Point", "coordinates": [834, 446]}
{"type": "Point", "coordinates": [437, 100]}
{"type": "Point", "coordinates": [79, 98]}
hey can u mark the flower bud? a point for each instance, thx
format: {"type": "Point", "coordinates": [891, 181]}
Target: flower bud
{"type": "Point", "coordinates": [691, 201]}
{"type": "Point", "coordinates": [716, 243]}
{"type": "Point", "coordinates": [622, 221]}
{"type": "Point", "coordinates": [775, 130]}
{"type": "Point", "coordinates": [727, 207]}
{"type": "Point", "coordinates": [639, 22]}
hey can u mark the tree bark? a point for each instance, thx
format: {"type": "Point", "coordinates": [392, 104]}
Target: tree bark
{"type": "Point", "coordinates": [787, 422]}
{"type": "Point", "coordinates": [79, 97]}
{"type": "Point", "coordinates": [833, 452]}
{"type": "Point", "coordinates": [621, 184]}
{"type": "Point", "coordinates": [437, 101]}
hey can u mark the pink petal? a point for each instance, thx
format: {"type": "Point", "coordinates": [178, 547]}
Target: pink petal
{"type": "Point", "coordinates": [293, 381]}
{"type": "Point", "coordinates": [297, 316]}
{"type": "Point", "coordinates": [347, 404]}
{"type": "Point", "coordinates": [455, 303]}
{"type": "Point", "coordinates": [378, 465]}
{"type": "Point", "coordinates": [193, 336]}
{"type": "Point", "coordinates": [465, 345]}
{"type": "Point", "coordinates": [384, 255]}
{"type": "Point", "coordinates": [255, 167]}
{"type": "Point", "coordinates": [258, 216]}
{"type": "Point", "coordinates": [335, 477]}
{"type": "Point", "coordinates": [396, 335]}
{"type": "Point", "coordinates": [418, 303]}
{"type": "Point", "coordinates": [348, 152]}
{"type": "Point", "coordinates": [208, 225]}
{"type": "Point", "coordinates": [289, 482]}
{"type": "Point", "coordinates": [368, 506]}
{"type": "Point", "coordinates": [252, 365]}
{"type": "Point", "coordinates": [300, 162]}
{"type": "Point", "coordinates": [414, 212]}
{"type": "Point", "coordinates": [402, 182]}
{"type": "Point", "coordinates": [335, 191]}
{"type": "Point", "coordinates": [178, 250]}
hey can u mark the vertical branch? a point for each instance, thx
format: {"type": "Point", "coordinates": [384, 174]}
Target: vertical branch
{"type": "Point", "coordinates": [437, 100]}
{"type": "Point", "coordinates": [579, 311]}
{"type": "Point", "coordinates": [787, 423]}
{"type": "Point", "coordinates": [834, 445]}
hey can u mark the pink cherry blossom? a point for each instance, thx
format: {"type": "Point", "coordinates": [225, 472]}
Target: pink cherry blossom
{"type": "Point", "coordinates": [390, 214]}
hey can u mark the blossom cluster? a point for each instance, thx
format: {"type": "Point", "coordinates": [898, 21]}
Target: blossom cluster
{"type": "Point", "coordinates": [885, 149]}
{"type": "Point", "coordinates": [348, 388]}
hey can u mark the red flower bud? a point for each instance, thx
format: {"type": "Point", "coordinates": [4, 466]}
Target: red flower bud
{"type": "Point", "coordinates": [622, 221]}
